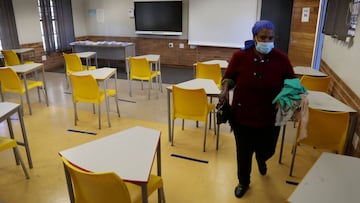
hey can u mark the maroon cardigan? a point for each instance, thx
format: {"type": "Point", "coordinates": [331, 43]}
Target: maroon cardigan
{"type": "Point", "coordinates": [257, 82]}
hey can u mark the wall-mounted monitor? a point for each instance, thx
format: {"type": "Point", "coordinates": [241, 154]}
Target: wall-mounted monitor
{"type": "Point", "coordinates": [158, 17]}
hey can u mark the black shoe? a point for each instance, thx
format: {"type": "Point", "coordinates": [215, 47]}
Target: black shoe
{"type": "Point", "coordinates": [262, 167]}
{"type": "Point", "coordinates": [240, 190]}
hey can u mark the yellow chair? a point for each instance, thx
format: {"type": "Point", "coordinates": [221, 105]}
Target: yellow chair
{"type": "Point", "coordinates": [209, 71]}
{"type": "Point", "coordinates": [10, 82]}
{"type": "Point", "coordinates": [86, 89]}
{"type": "Point", "coordinates": [7, 143]}
{"type": "Point", "coordinates": [11, 58]}
{"type": "Point", "coordinates": [73, 64]}
{"type": "Point", "coordinates": [325, 130]}
{"type": "Point", "coordinates": [321, 84]}
{"type": "Point", "coordinates": [191, 104]}
{"type": "Point", "coordinates": [140, 70]}
{"type": "Point", "coordinates": [108, 187]}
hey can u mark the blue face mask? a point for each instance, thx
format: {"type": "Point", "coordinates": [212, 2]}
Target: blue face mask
{"type": "Point", "coordinates": [264, 47]}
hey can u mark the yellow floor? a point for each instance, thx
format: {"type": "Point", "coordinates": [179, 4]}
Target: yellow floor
{"type": "Point", "coordinates": [184, 181]}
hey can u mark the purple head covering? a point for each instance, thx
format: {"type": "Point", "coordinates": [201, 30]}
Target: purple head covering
{"type": "Point", "coordinates": [262, 24]}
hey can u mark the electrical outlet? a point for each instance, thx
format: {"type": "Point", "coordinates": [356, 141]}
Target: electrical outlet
{"type": "Point", "coordinates": [181, 45]}
{"type": "Point", "coordinates": [171, 45]}
{"type": "Point", "coordinates": [43, 57]}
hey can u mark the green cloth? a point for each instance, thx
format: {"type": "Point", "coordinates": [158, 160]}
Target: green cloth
{"type": "Point", "coordinates": [291, 91]}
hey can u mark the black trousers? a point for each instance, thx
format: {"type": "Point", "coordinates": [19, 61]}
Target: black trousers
{"type": "Point", "coordinates": [261, 141]}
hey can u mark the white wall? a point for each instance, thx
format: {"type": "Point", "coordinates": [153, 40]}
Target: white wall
{"type": "Point", "coordinates": [344, 61]}
{"type": "Point", "coordinates": [27, 21]}
{"type": "Point", "coordinates": [79, 17]}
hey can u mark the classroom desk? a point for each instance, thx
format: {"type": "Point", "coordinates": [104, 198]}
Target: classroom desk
{"type": "Point", "coordinates": [223, 64]}
{"type": "Point", "coordinates": [7, 109]}
{"type": "Point", "coordinates": [332, 179]}
{"type": "Point", "coordinates": [154, 59]}
{"type": "Point", "coordinates": [87, 56]}
{"type": "Point", "coordinates": [102, 75]}
{"type": "Point", "coordinates": [208, 85]}
{"type": "Point", "coordinates": [129, 153]}
{"type": "Point", "coordinates": [24, 69]}
{"type": "Point", "coordinates": [24, 51]}
{"type": "Point", "coordinates": [324, 101]}
{"type": "Point", "coordinates": [303, 70]}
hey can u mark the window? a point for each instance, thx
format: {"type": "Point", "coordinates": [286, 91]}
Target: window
{"type": "Point", "coordinates": [56, 24]}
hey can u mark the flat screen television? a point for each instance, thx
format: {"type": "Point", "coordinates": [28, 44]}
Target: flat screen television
{"type": "Point", "coordinates": [158, 17]}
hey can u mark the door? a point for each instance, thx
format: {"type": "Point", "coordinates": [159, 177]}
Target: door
{"type": "Point", "coordinates": [280, 13]}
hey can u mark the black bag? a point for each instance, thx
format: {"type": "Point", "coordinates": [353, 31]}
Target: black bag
{"type": "Point", "coordinates": [223, 112]}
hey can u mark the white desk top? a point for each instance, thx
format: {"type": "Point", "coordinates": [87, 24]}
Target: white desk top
{"type": "Point", "coordinates": [208, 85]}
{"type": "Point", "coordinates": [6, 107]}
{"type": "Point", "coordinates": [129, 153]}
{"type": "Point", "coordinates": [223, 63]}
{"type": "Point", "coordinates": [332, 179]}
{"type": "Point", "coordinates": [26, 68]}
{"type": "Point", "coordinates": [87, 54]}
{"type": "Point", "coordinates": [303, 70]}
{"type": "Point", "coordinates": [324, 101]}
{"type": "Point", "coordinates": [99, 74]}
{"type": "Point", "coordinates": [23, 50]}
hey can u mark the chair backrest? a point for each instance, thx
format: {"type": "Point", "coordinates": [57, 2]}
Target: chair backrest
{"type": "Point", "coordinates": [97, 187]}
{"type": "Point", "coordinates": [139, 67]}
{"type": "Point", "coordinates": [10, 81]}
{"type": "Point", "coordinates": [10, 58]}
{"type": "Point", "coordinates": [321, 84]}
{"type": "Point", "coordinates": [189, 103]}
{"type": "Point", "coordinates": [85, 88]}
{"type": "Point", "coordinates": [72, 63]}
{"type": "Point", "coordinates": [209, 71]}
{"type": "Point", "coordinates": [327, 130]}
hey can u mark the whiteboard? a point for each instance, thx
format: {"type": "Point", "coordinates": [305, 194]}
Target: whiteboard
{"type": "Point", "coordinates": [221, 23]}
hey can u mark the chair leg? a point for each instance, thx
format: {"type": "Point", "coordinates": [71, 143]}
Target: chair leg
{"type": "Point", "coordinates": [16, 150]}
{"type": "Point", "coordinates": [117, 106]}
{"type": "Point", "coordinates": [293, 160]}
{"type": "Point", "coordinates": [75, 114]}
{"type": "Point", "coordinates": [149, 89]}
{"type": "Point", "coordinates": [182, 124]}
{"type": "Point", "coordinates": [172, 132]}
{"type": "Point", "coordinates": [99, 110]}
{"type": "Point", "coordinates": [217, 136]}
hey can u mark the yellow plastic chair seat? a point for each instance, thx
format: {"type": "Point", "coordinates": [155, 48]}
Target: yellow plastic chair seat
{"type": "Point", "coordinates": [108, 187]}
{"type": "Point", "coordinates": [7, 143]}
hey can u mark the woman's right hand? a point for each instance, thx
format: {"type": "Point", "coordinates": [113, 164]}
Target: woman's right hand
{"type": "Point", "coordinates": [224, 96]}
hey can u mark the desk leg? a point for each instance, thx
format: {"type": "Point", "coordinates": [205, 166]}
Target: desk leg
{"type": "Point", "coordinates": [128, 74]}
{"type": "Point", "coordinates": [107, 103]}
{"type": "Point", "coordinates": [23, 131]}
{"type": "Point", "coordinates": [351, 132]}
{"type": "Point", "coordinates": [27, 93]}
{"type": "Point", "coordinates": [69, 185]}
{"type": "Point", "coordinates": [45, 90]}
{"type": "Point", "coordinates": [282, 143]}
{"type": "Point", "coordinates": [116, 94]}
{"type": "Point", "coordinates": [169, 114]}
